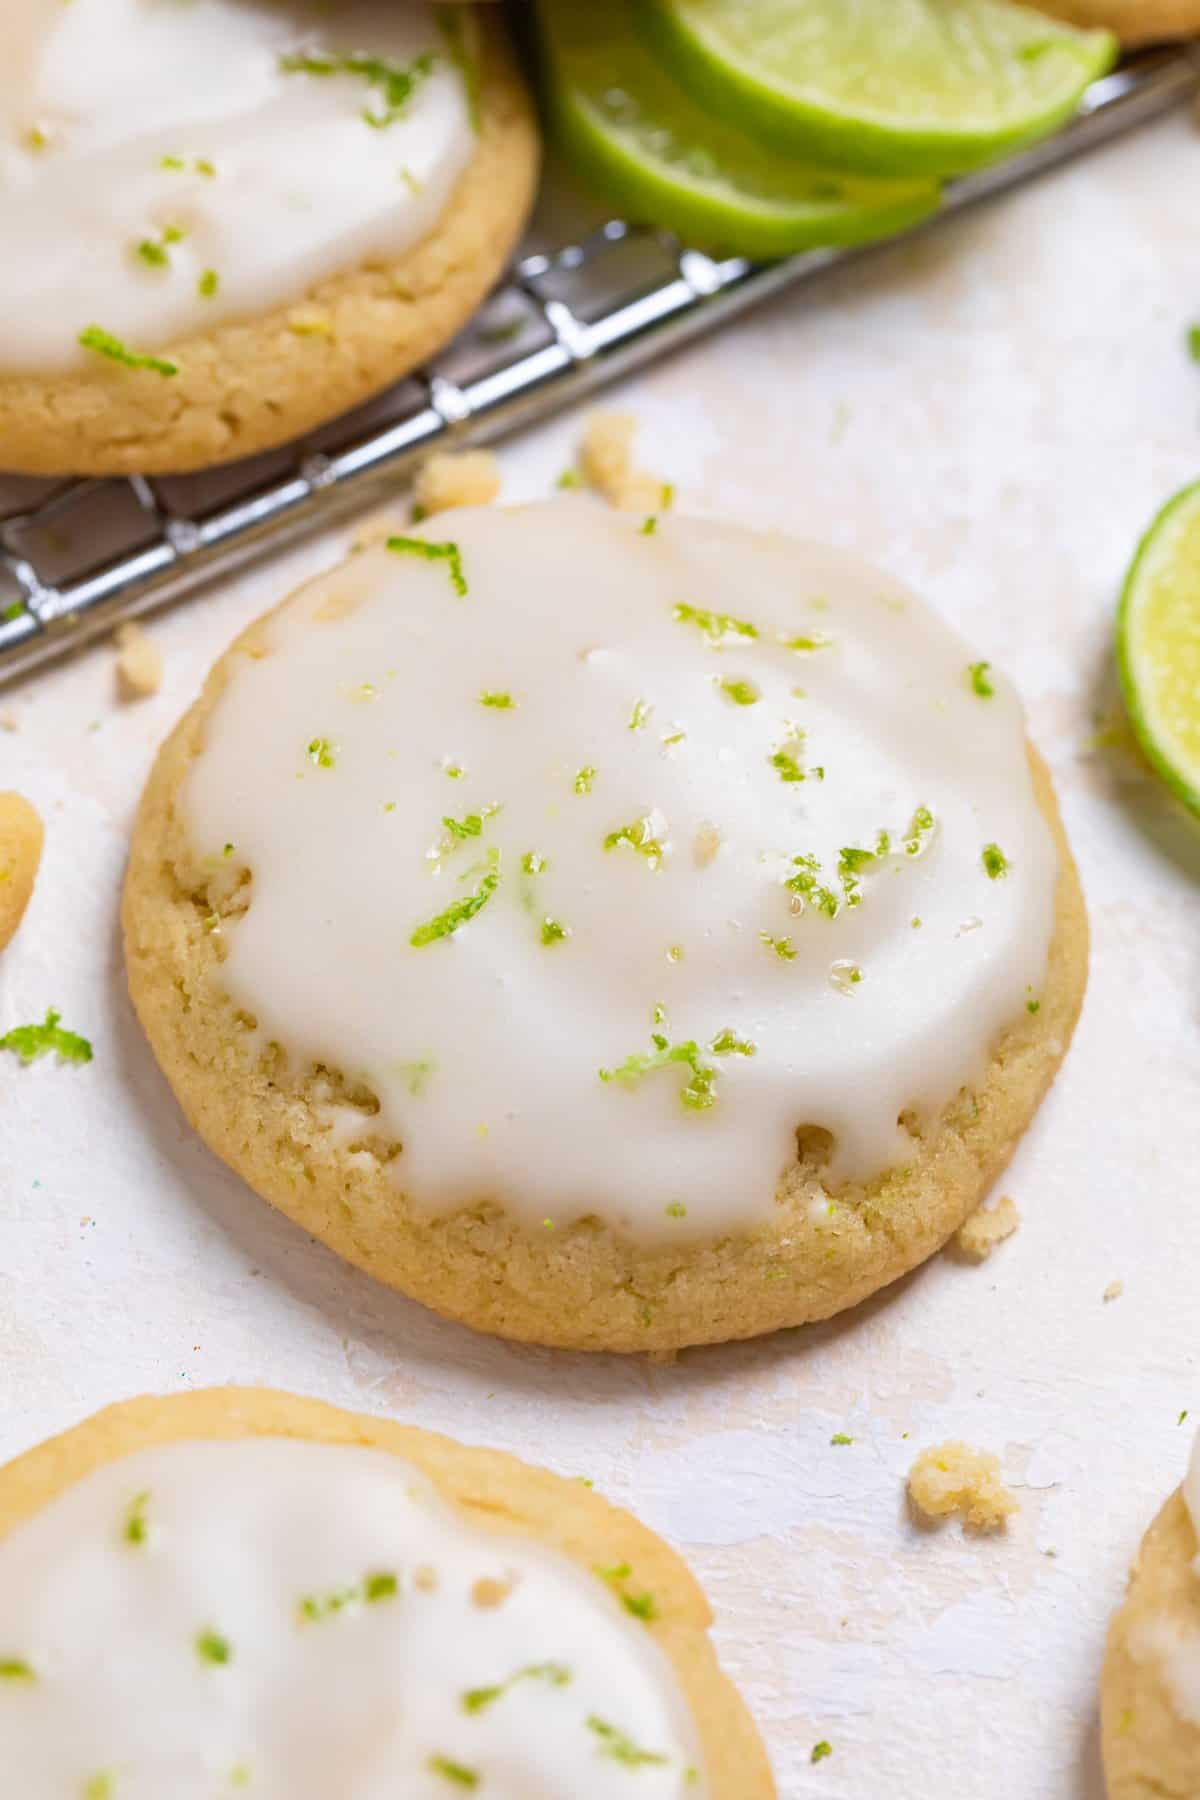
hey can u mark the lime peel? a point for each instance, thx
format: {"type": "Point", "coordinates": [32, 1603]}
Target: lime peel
{"type": "Point", "coordinates": [1158, 645]}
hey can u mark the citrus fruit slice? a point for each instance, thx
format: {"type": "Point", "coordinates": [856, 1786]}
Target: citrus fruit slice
{"type": "Point", "coordinates": [660, 157]}
{"type": "Point", "coordinates": [1158, 644]}
{"type": "Point", "coordinates": [904, 86]}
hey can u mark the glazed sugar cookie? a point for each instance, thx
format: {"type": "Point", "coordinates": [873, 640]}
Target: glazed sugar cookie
{"type": "Point", "coordinates": [239, 1591]}
{"type": "Point", "coordinates": [1134, 21]}
{"type": "Point", "coordinates": [615, 933]}
{"type": "Point", "coordinates": [1151, 1685]}
{"type": "Point", "coordinates": [227, 221]}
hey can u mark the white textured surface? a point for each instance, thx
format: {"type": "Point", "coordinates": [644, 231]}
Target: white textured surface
{"type": "Point", "coordinates": [994, 414]}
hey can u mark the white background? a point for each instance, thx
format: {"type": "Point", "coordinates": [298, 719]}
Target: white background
{"type": "Point", "coordinates": [995, 412]}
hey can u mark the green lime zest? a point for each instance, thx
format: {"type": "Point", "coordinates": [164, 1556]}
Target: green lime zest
{"type": "Point", "coordinates": [99, 1786]}
{"type": "Point", "coordinates": [499, 698]}
{"type": "Point", "coordinates": [1193, 342]}
{"type": "Point", "coordinates": [742, 693]}
{"type": "Point", "coordinates": [840, 1437]}
{"type": "Point", "coordinates": [821, 1751]}
{"type": "Point", "coordinates": [553, 932]}
{"type": "Point", "coordinates": [211, 1647]}
{"type": "Point", "coordinates": [676, 1210]}
{"type": "Point", "coordinates": [640, 837]}
{"type": "Point", "coordinates": [622, 1749]}
{"type": "Point", "coordinates": [446, 923]}
{"type": "Point", "coordinates": [136, 1531]}
{"type": "Point", "coordinates": [995, 862]}
{"type": "Point", "coordinates": [717, 628]}
{"type": "Point", "coordinates": [379, 1585]}
{"type": "Point", "coordinates": [321, 753]}
{"type": "Point", "coordinates": [15, 1668]}
{"type": "Point", "coordinates": [699, 1093]}
{"type": "Point", "coordinates": [979, 675]}
{"type": "Point", "coordinates": [458, 1774]}
{"type": "Point", "coordinates": [476, 1700]}
{"type": "Point", "coordinates": [640, 715]}
{"type": "Point", "coordinates": [585, 780]}
{"type": "Point", "coordinates": [397, 82]}
{"type": "Point", "coordinates": [807, 885]}
{"type": "Point", "coordinates": [208, 284]}
{"type": "Point", "coordinates": [786, 760]}
{"type": "Point", "coordinates": [157, 251]}
{"type": "Point", "coordinates": [472, 826]}
{"type": "Point", "coordinates": [31, 1041]}
{"type": "Point", "coordinates": [103, 343]}
{"type": "Point", "coordinates": [450, 554]}
{"type": "Point", "coordinates": [806, 641]}
{"type": "Point", "coordinates": [782, 946]}
{"type": "Point", "coordinates": [533, 864]}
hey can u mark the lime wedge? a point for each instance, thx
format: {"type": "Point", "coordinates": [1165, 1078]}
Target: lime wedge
{"type": "Point", "coordinates": [1158, 644]}
{"type": "Point", "coordinates": [657, 155]}
{"type": "Point", "coordinates": [929, 86]}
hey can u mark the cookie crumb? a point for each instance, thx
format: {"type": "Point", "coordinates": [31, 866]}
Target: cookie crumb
{"type": "Point", "coordinates": [606, 465]}
{"type": "Point", "coordinates": [489, 1593]}
{"type": "Point", "coordinates": [462, 478]}
{"type": "Point", "coordinates": [986, 1227]}
{"type": "Point", "coordinates": [9, 722]}
{"type": "Point", "coordinates": [706, 845]}
{"type": "Point", "coordinates": [139, 663]}
{"type": "Point", "coordinates": [952, 1477]}
{"type": "Point", "coordinates": [1113, 1291]}
{"type": "Point", "coordinates": [21, 837]}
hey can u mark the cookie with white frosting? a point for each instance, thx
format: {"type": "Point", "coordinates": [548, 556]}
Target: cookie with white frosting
{"type": "Point", "coordinates": [236, 1591]}
{"type": "Point", "coordinates": [616, 933]}
{"type": "Point", "coordinates": [228, 221]}
{"type": "Point", "coordinates": [1150, 1691]}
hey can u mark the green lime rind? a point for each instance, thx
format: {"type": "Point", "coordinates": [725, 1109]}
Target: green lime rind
{"type": "Point", "coordinates": [895, 86]}
{"type": "Point", "coordinates": [655, 154]}
{"type": "Point", "coordinates": [1158, 645]}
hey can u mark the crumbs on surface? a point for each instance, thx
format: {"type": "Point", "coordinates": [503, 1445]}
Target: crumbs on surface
{"type": "Point", "coordinates": [986, 1227]}
{"type": "Point", "coordinates": [606, 465]}
{"type": "Point", "coordinates": [456, 478]}
{"type": "Point", "coordinates": [1113, 1291]}
{"type": "Point", "coordinates": [139, 663]}
{"type": "Point", "coordinates": [954, 1478]}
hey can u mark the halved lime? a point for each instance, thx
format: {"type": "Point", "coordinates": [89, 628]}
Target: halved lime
{"type": "Point", "coordinates": [660, 157]}
{"type": "Point", "coordinates": [1158, 644]}
{"type": "Point", "coordinates": [912, 86]}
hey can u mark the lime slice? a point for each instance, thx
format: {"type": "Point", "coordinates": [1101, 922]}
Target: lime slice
{"type": "Point", "coordinates": [661, 158]}
{"type": "Point", "coordinates": [928, 86]}
{"type": "Point", "coordinates": [1158, 644]}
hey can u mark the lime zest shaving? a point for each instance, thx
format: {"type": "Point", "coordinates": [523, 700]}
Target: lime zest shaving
{"type": "Point", "coordinates": [478, 1699]}
{"type": "Point", "coordinates": [995, 862]}
{"type": "Point", "coordinates": [461, 912]}
{"type": "Point", "coordinates": [717, 628]}
{"type": "Point", "coordinates": [397, 82]}
{"type": "Point", "coordinates": [31, 1041]}
{"type": "Point", "coordinates": [448, 553]}
{"type": "Point", "coordinates": [979, 675]}
{"type": "Point", "coordinates": [103, 343]}
{"type": "Point", "coordinates": [621, 1748]}
{"type": "Point", "coordinates": [455, 1772]}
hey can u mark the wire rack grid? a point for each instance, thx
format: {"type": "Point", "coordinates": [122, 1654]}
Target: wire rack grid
{"type": "Point", "coordinates": [587, 300]}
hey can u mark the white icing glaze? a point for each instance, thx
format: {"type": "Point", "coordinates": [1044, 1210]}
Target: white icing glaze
{"type": "Point", "coordinates": [95, 94]}
{"type": "Point", "coordinates": [357, 1702]}
{"type": "Point", "coordinates": [570, 608]}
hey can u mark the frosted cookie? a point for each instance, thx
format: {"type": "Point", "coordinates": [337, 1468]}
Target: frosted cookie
{"type": "Point", "coordinates": [1150, 1690]}
{"type": "Point", "coordinates": [228, 221]}
{"type": "Point", "coordinates": [1134, 21]}
{"type": "Point", "coordinates": [240, 1591]}
{"type": "Point", "coordinates": [615, 933]}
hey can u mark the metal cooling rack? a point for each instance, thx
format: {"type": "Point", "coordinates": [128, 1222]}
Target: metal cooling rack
{"type": "Point", "coordinates": [587, 300]}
